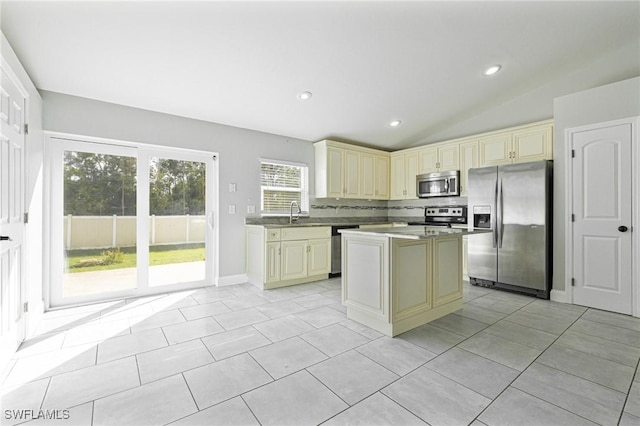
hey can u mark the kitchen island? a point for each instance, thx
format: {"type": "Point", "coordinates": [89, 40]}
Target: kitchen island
{"type": "Point", "coordinates": [396, 279]}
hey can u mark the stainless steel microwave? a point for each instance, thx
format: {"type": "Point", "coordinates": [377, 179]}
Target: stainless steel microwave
{"type": "Point", "coordinates": [439, 184]}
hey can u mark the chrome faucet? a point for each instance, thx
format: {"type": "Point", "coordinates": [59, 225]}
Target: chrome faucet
{"type": "Point", "coordinates": [291, 219]}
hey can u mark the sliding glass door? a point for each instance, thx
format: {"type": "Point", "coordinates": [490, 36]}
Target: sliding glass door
{"type": "Point", "coordinates": [129, 220]}
{"type": "Point", "coordinates": [178, 222]}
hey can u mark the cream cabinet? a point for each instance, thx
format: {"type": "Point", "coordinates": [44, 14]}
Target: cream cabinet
{"type": "Point", "coordinates": [438, 159]}
{"type": "Point", "coordinates": [347, 171]}
{"type": "Point", "coordinates": [404, 168]}
{"type": "Point", "coordinates": [381, 183]}
{"type": "Point", "coordinates": [294, 259]}
{"type": "Point", "coordinates": [465, 251]}
{"type": "Point", "coordinates": [447, 270]}
{"type": "Point", "coordinates": [367, 175]}
{"type": "Point", "coordinates": [351, 172]}
{"type": "Point", "coordinates": [468, 160]}
{"type": "Point", "coordinates": [332, 172]}
{"type": "Point", "coordinates": [278, 257]}
{"type": "Point", "coordinates": [342, 173]}
{"type": "Point", "coordinates": [520, 145]}
{"type": "Point", "coordinates": [495, 150]}
{"type": "Point", "coordinates": [394, 284]}
{"type": "Point", "coordinates": [319, 257]}
{"type": "Point", "coordinates": [533, 144]}
{"type": "Point", "coordinates": [272, 262]}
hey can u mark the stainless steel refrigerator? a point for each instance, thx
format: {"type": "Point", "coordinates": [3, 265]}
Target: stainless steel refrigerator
{"type": "Point", "coordinates": [515, 202]}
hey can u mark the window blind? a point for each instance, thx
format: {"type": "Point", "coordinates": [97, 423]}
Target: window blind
{"type": "Point", "coordinates": [282, 183]}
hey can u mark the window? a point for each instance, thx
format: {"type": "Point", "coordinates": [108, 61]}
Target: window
{"type": "Point", "coordinates": [281, 183]}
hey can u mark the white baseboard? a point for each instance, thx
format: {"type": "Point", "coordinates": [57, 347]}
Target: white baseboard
{"type": "Point", "coordinates": [560, 296]}
{"type": "Point", "coordinates": [232, 280]}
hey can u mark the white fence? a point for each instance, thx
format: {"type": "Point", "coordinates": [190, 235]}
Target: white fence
{"type": "Point", "coordinates": [88, 232]}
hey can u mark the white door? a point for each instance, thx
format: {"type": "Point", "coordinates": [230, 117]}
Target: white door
{"type": "Point", "coordinates": [602, 201]}
{"type": "Point", "coordinates": [12, 288]}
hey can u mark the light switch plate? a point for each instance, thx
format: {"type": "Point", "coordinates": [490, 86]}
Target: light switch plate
{"type": "Point", "coordinates": [232, 187]}
{"type": "Point", "coordinates": [251, 209]}
{"type": "Point", "coordinates": [232, 209]}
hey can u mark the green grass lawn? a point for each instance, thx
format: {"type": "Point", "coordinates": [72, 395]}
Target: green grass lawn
{"type": "Point", "coordinates": [158, 255]}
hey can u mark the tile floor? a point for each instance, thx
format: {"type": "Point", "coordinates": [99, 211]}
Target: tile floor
{"type": "Point", "coordinates": [240, 356]}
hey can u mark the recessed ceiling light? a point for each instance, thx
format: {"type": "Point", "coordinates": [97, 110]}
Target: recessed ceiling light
{"type": "Point", "coordinates": [303, 96]}
{"type": "Point", "coordinates": [492, 70]}
{"type": "Point", "coordinates": [395, 123]}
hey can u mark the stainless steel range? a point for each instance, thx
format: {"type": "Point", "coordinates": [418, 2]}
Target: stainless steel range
{"type": "Point", "coordinates": [443, 216]}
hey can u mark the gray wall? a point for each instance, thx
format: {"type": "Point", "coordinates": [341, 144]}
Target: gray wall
{"type": "Point", "coordinates": [605, 103]}
{"type": "Point", "coordinates": [239, 152]}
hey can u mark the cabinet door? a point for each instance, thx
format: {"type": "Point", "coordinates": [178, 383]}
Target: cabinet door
{"type": "Point", "coordinates": [448, 158]}
{"type": "Point", "coordinates": [465, 250]}
{"type": "Point", "coordinates": [335, 172]}
{"type": "Point", "coordinates": [428, 160]}
{"type": "Point", "coordinates": [351, 174]}
{"type": "Point", "coordinates": [319, 256]}
{"type": "Point", "coordinates": [272, 262]}
{"type": "Point", "coordinates": [468, 160]}
{"type": "Point", "coordinates": [447, 270]}
{"type": "Point", "coordinates": [533, 144]}
{"type": "Point", "coordinates": [411, 170]}
{"type": "Point", "coordinates": [381, 182]}
{"type": "Point", "coordinates": [398, 180]}
{"type": "Point", "coordinates": [367, 176]}
{"type": "Point", "coordinates": [293, 259]}
{"type": "Point", "coordinates": [411, 277]}
{"type": "Point", "coordinates": [495, 150]}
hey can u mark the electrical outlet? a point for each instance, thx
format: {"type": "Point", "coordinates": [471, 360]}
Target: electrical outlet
{"type": "Point", "coordinates": [251, 209]}
{"type": "Point", "coordinates": [232, 209]}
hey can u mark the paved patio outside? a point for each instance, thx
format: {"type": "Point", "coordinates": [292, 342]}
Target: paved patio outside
{"type": "Point", "coordinates": [94, 282]}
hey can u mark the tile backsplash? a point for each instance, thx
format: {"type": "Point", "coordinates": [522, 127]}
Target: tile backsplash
{"type": "Point", "coordinates": [331, 207]}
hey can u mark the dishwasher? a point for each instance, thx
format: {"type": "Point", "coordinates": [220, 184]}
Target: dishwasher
{"type": "Point", "coordinates": [336, 249]}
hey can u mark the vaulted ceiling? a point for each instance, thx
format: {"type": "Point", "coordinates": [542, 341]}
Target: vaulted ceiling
{"type": "Point", "coordinates": [365, 63]}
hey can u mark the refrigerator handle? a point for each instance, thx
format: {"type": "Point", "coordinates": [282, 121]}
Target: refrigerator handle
{"type": "Point", "coordinates": [494, 221]}
{"type": "Point", "coordinates": [499, 214]}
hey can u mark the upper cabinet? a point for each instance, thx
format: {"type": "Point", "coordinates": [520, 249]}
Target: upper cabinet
{"type": "Point", "coordinates": [519, 145]}
{"type": "Point", "coordinates": [439, 158]}
{"type": "Point", "coordinates": [404, 168]}
{"type": "Point", "coordinates": [533, 143]}
{"type": "Point", "coordinates": [468, 160]}
{"type": "Point", "coordinates": [348, 171]}
{"type": "Point", "coordinates": [382, 179]}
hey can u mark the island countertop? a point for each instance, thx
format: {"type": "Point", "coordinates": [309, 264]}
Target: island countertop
{"type": "Point", "coordinates": [416, 232]}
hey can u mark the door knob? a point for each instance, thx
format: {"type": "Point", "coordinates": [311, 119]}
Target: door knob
{"type": "Point", "coordinates": [622, 228]}
{"type": "Point", "coordinates": [5, 238]}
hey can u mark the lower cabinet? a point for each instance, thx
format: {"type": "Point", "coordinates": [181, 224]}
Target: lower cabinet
{"type": "Point", "coordinates": [465, 256]}
{"type": "Point", "coordinates": [426, 274]}
{"type": "Point", "coordinates": [294, 259]}
{"type": "Point", "coordinates": [447, 270]}
{"type": "Point", "coordinates": [287, 256]}
{"type": "Point", "coordinates": [319, 261]}
{"type": "Point", "coordinates": [394, 285]}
